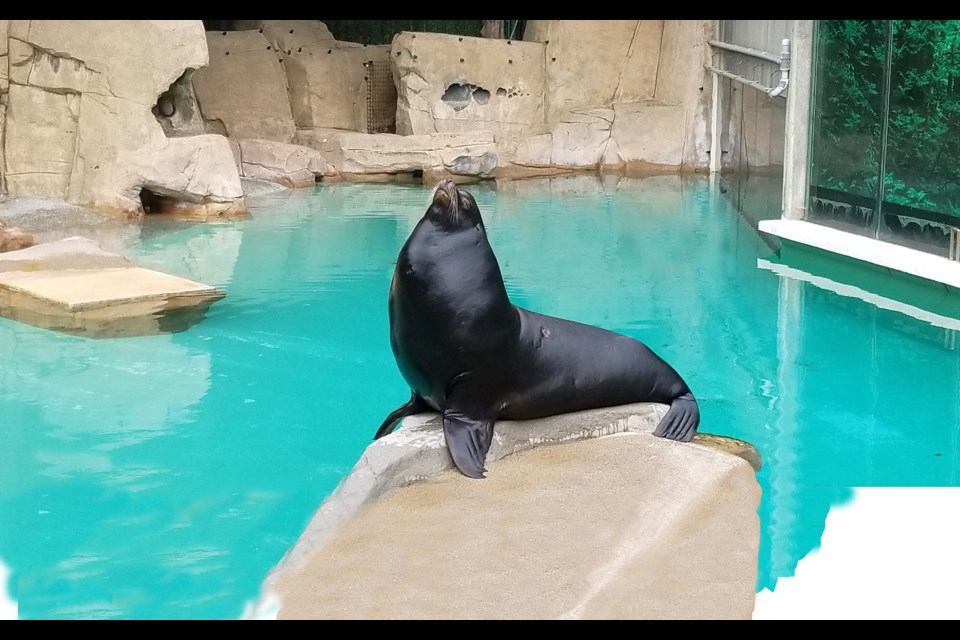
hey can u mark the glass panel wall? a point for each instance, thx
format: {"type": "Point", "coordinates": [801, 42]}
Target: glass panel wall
{"type": "Point", "coordinates": [886, 102]}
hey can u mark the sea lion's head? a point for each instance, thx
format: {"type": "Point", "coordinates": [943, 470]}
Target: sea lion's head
{"type": "Point", "coordinates": [453, 207]}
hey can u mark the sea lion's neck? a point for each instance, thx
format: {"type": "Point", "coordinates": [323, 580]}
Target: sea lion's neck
{"type": "Point", "coordinates": [454, 269]}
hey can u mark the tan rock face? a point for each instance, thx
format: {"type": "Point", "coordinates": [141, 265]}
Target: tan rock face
{"type": "Point", "coordinates": [682, 58]}
{"type": "Point", "coordinates": [89, 110]}
{"type": "Point", "coordinates": [584, 515]}
{"type": "Point", "coordinates": [578, 140]}
{"type": "Point", "coordinates": [177, 109]}
{"type": "Point", "coordinates": [591, 63]}
{"type": "Point", "coordinates": [327, 83]}
{"type": "Point", "coordinates": [3, 117]}
{"type": "Point", "coordinates": [649, 71]}
{"type": "Point", "coordinates": [289, 35]}
{"type": "Point", "coordinates": [12, 238]}
{"type": "Point", "coordinates": [637, 141]}
{"type": "Point", "coordinates": [80, 122]}
{"type": "Point", "coordinates": [67, 253]}
{"type": "Point", "coordinates": [131, 59]}
{"type": "Point", "coordinates": [278, 76]}
{"type": "Point", "coordinates": [553, 103]}
{"type": "Point", "coordinates": [4, 87]}
{"type": "Point", "coordinates": [4, 29]}
{"type": "Point", "coordinates": [244, 87]}
{"type": "Point", "coordinates": [290, 165]}
{"type": "Point", "coordinates": [41, 140]}
{"type": "Point", "coordinates": [464, 154]}
{"type": "Point", "coordinates": [198, 169]}
{"type": "Point", "coordinates": [448, 84]}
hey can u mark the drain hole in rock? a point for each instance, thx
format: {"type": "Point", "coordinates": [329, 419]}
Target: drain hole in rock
{"type": "Point", "coordinates": [154, 202]}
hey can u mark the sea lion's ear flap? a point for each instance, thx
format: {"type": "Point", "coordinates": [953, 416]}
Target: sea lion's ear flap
{"type": "Point", "coordinates": [468, 441]}
{"type": "Point", "coordinates": [469, 209]}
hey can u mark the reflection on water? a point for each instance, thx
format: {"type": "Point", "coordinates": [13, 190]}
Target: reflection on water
{"type": "Point", "coordinates": [145, 317]}
{"type": "Point", "coordinates": [74, 385]}
{"type": "Point", "coordinates": [940, 309]}
{"type": "Point", "coordinates": [869, 366]}
{"type": "Point", "coordinates": [164, 476]}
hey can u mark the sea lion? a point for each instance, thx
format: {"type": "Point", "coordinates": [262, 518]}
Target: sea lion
{"type": "Point", "coordinates": [469, 353]}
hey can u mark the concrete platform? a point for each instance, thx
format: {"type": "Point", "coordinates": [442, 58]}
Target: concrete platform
{"type": "Point", "coordinates": [582, 516]}
{"type": "Point", "coordinates": [96, 300]}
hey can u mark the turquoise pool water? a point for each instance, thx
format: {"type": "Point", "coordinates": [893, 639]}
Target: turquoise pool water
{"type": "Point", "coordinates": [164, 476]}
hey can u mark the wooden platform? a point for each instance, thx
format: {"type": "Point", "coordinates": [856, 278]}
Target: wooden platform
{"type": "Point", "coordinates": [105, 302]}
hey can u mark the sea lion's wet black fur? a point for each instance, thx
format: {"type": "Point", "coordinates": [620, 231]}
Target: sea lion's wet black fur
{"type": "Point", "coordinates": [469, 353]}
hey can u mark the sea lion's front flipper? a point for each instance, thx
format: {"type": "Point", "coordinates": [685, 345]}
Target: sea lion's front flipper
{"type": "Point", "coordinates": [468, 440]}
{"type": "Point", "coordinates": [682, 419]}
{"type": "Point", "coordinates": [415, 404]}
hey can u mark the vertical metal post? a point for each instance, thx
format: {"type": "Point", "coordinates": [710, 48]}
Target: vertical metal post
{"type": "Point", "coordinates": [884, 128]}
{"type": "Point", "coordinates": [796, 143]}
{"type": "Point", "coordinates": [716, 127]}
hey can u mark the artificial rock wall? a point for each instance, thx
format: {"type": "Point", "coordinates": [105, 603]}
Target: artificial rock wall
{"type": "Point", "coordinates": [94, 112]}
{"type": "Point", "coordinates": [454, 84]}
{"type": "Point", "coordinates": [632, 92]}
{"type": "Point", "coordinates": [283, 80]}
{"type": "Point", "coordinates": [79, 117]}
{"type": "Point", "coordinates": [577, 95]}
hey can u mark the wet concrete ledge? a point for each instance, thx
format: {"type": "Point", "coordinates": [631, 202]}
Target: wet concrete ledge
{"type": "Point", "coordinates": [582, 515]}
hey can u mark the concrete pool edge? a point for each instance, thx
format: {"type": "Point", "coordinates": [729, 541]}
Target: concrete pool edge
{"type": "Point", "coordinates": [883, 254]}
{"type": "Point", "coordinates": [417, 451]}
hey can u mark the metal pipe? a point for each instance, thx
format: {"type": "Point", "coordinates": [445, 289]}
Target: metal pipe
{"type": "Point", "coordinates": [740, 79]}
{"type": "Point", "coordinates": [756, 53]}
{"type": "Point", "coordinates": [783, 60]}
{"type": "Point", "coordinates": [784, 69]}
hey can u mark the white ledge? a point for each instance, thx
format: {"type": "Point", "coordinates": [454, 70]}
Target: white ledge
{"type": "Point", "coordinates": [885, 254]}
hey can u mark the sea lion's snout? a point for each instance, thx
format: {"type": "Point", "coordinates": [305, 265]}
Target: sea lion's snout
{"type": "Point", "coordinates": [445, 195]}
{"type": "Point", "coordinates": [446, 191]}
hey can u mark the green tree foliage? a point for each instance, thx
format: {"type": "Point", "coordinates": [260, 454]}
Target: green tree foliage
{"type": "Point", "coordinates": [923, 114]}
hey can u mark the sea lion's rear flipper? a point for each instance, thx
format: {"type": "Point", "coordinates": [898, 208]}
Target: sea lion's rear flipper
{"type": "Point", "coordinates": [415, 404]}
{"type": "Point", "coordinates": [682, 419]}
{"type": "Point", "coordinates": [468, 440]}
